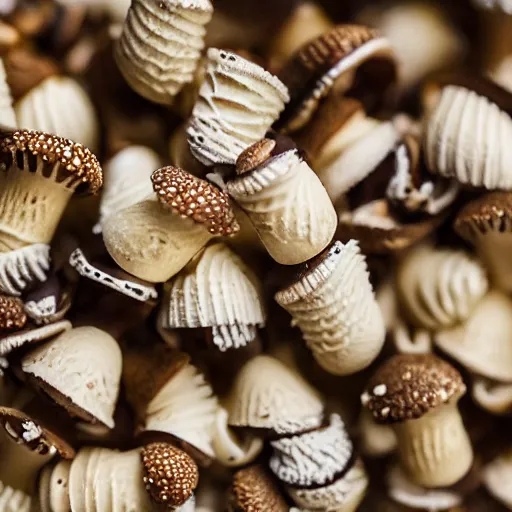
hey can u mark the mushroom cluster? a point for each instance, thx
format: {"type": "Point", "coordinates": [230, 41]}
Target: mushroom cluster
{"type": "Point", "coordinates": [255, 256]}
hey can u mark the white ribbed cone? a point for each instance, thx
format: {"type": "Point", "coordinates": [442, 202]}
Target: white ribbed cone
{"type": "Point", "coordinates": [7, 115]}
{"type": "Point", "coordinates": [60, 106]}
{"type": "Point", "coordinates": [238, 102]}
{"type": "Point", "coordinates": [466, 138]}
{"type": "Point", "coordinates": [160, 46]}
{"type": "Point", "coordinates": [84, 366]}
{"type": "Point", "coordinates": [221, 292]}
{"type": "Point", "coordinates": [439, 288]}
{"type": "Point", "coordinates": [267, 394]}
{"type": "Point", "coordinates": [186, 408]}
{"type": "Point", "coordinates": [334, 306]}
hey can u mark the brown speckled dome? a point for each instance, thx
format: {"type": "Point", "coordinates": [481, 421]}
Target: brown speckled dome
{"type": "Point", "coordinates": [12, 313]}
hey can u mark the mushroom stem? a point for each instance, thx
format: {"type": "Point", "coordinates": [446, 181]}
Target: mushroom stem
{"type": "Point", "coordinates": [435, 449]}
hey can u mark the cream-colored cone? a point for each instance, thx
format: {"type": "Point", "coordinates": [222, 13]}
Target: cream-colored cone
{"type": "Point", "coordinates": [161, 44]}
{"type": "Point", "coordinates": [334, 306]}
{"type": "Point", "coordinates": [268, 395]}
{"type": "Point", "coordinates": [59, 105]}
{"type": "Point", "coordinates": [288, 206]}
{"type": "Point", "coordinates": [81, 370]}
{"type": "Point", "coordinates": [238, 103]}
{"type": "Point", "coordinates": [7, 114]}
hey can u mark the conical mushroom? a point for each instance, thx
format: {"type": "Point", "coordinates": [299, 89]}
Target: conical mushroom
{"type": "Point", "coordinates": [154, 239]}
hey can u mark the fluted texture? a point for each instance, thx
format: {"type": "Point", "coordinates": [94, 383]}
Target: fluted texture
{"type": "Point", "coordinates": [12, 500]}
{"type": "Point", "coordinates": [238, 102]}
{"type": "Point", "coordinates": [288, 206]}
{"type": "Point", "coordinates": [7, 115]}
{"type": "Point", "coordinates": [161, 44]}
{"type": "Point", "coordinates": [335, 308]}
{"type": "Point", "coordinates": [186, 408]}
{"type": "Point", "coordinates": [439, 288]}
{"type": "Point", "coordinates": [219, 292]}
{"type": "Point", "coordinates": [466, 139]}
{"type": "Point", "coordinates": [60, 106]}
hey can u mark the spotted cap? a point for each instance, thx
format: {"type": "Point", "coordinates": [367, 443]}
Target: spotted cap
{"type": "Point", "coordinates": [12, 313]}
{"type": "Point", "coordinates": [254, 490]}
{"type": "Point", "coordinates": [170, 475]}
{"type": "Point", "coordinates": [194, 198]}
{"type": "Point", "coordinates": [407, 386]}
{"type": "Point", "coordinates": [77, 163]}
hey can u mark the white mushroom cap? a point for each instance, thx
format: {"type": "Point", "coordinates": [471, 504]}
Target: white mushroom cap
{"type": "Point", "coordinates": [80, 370]}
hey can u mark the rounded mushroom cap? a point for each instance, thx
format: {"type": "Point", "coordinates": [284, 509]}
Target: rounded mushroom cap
{"type": "Point", "coordinates": [170, 475]}
{"type": "Point", "coordinates": [194, 198]}
{"type": "Point", "coordinates": [253, 490]}
{"type": "Point", "coordinates": [80, 370]}
{"type": "Point", "coordinates": [407, 386]}
{"type": "Point", "coordinates": [12, 314]}
{"type": "Point", "coordinates": [75, 161]}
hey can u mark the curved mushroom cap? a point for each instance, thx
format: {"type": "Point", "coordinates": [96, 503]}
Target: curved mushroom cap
{"type": "Point", "coordinates": [407, 386]}
{"type": "Point", "coordinates": [170, 475]}
{"type": "Point", "coordinates": [483, 344]}
{"type": "Point", "coordinates": [60, 105]}
{"type": "Point", "coordinates": [196, 199]}
{"type": "Point", "coordinates": [497, 476]}
{"type": "Point", "coordinates": [268, 395]}
{"type": "Point", "coordinates": [81, 371]}
{"type": "Point", "coordinates": [12, 313]}
{"type": "Point", "coordinates": [54, 487]}
{"type": "Point", "coordinates": [253, 490]}
{"type": "Point", "coordinates": [73, 164]}
{"type": "Point", "coordinates": [330, 62]}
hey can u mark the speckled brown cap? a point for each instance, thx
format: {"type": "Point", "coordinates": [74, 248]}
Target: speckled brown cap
{"type": "Point", "coordinates": [313, 71]}
{"type": "Point", "coordinates": [170, 475]}
{"type": "Point", "coordinates": [77, 163]}
{"type": "Point", "coordinates": [253, 490]}
{"type": "Point", "coordinates": [491, 212]}
{"type": "Point", "coordinates": [255, 155]}
{"type": "Point", "coordinates": [194, 198]}
{"type": "Point", "coordinates": [12, 314]}
{"type": "Point", "coordinates": [407, 386]}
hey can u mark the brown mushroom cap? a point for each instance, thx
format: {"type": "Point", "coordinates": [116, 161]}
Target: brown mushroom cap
{"type": "Point", "coordinates": [194, 198]}
{"type": "Point", "coordinates": [408, 386]}
{"type": "Point", "coordinates": [254, 155]}
{"type": "Point", "coordinates": [75, 160]}
{"type": "Point", "coordinates": [170, 475]}
{"type": "Point", "coordinates": [491, 212]}
{"type": "Point", "coordinates": [253, 490]}
{"type": "Point", "coordinates": [12, 314]}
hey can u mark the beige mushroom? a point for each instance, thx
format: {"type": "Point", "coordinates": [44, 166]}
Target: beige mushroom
{"type": "Point", "coordinates": [285, 201]}
{"type": "Point", "coordinates": [161, 44]}
{"type": "Point", "coordinates": [268, 395]}
{"type": "Point", "coordinates": [483, 344]}
{"type": "Point", "coordinates": [418, 395]}
{"type": "Point", "coordinates": [493, 396]}
{"type": "Point", "coordinates": [496, 477]}
{"type": "Point", "coordinates": [81, 371]}
{"type": "Point", "coordinates": [333, 303]}
{"type": "Point", "coordinates": [222, 125]}
{"type": "Point", "coordinates": [155, 238]}
{"type": "Point", "coordinates": [59, 105]}
{"type": "Point", "coordinates": [7, 114]}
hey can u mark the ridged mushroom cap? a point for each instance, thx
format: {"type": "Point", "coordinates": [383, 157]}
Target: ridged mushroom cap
{"type": "Point", "coordinates": [170, 475]}
{"type": "Point", "coordinates": [194, 198]}
{"type": "Point", "coordinates": [12, 314]}
{"type": "Point", "coordinates": [253, 490]}
{"type": "Point", "coordinates": [77, 163]}
{"type": "Point", "coordinates": [407, 386]}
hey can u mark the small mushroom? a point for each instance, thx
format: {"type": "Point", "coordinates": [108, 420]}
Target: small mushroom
{"type": "Point", "coordinates": [418, 395]}
{"type": "Point", "coordinates": [55, 106]}
{"type": "Point", "coordinates": [333, 303]}
{"type": "Point", "coordinates": [154, 239]}
{"type": "Point", "coordinates": [53, 490]}
{"type": "Point", "coordinates": [220, 292]}
{"type": "Point", "coordinates": [161, 44]}
{"type": "Point", "coordinates": [483, 344]}
{"type": "Point", "coordinates": [238, 102]}
{"type": "Point", "coordinates": [7, 114]}
{"type": "Point", "coordinates": [496, 477]}
{"type": "Point", "coordinates": [253, 490]}
{"type": "Point", "coordinates": [411, 340]}
{"type": "Point", "coordinates": [267, 395]}
{"type": "Point", "coordinates": [439, 288]}
{"type": "Point", "coordinates": [464, 120]}
{"type": "Point", "coordinates": [492, 395]}
{"type": "Point", "coordinates": [335, 61]}
{"type": "Point", "coordinates": [81, 371]}
{"type": "Point", "coordinates": [486, 222]}
{"type": "Point", "coordinates": [284, 199]}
